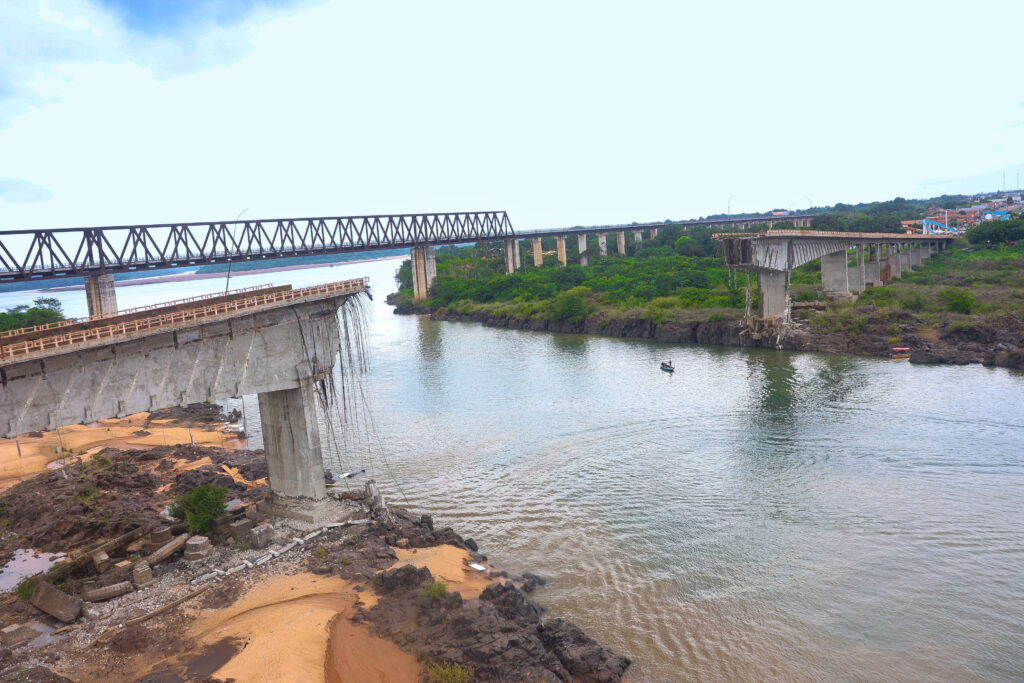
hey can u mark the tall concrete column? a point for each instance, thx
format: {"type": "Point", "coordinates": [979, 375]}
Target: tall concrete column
{"type": "Point", "coordinates": [834, 274]}
{"type": "Point", "coordinates": [560, 248]}
{"type": "Point", "coordinates": [602, 243]}
{"type": "Point", "coordinates": [773, 294]}
{"type": "Point", "coordinates": [581, 243]}
{"type": "Point", "coordinates": [510, 256]}
{"type": "Point", "coordinates": [638, 237]}
{"type": "Point", "coordinates": [291, 441]}
{"type": "Point", "coordinates": [905, 263]}
{"type": "Point", "coordinates": [654, 233]}
{"type": "Point", "coordinates": [895, 263]}
{"type": "Point", "coordinates": [872, 271]}
{"type": "Point", "coordinates": [857, 275]}
{"type": "Point", "coordinates": [620, 242]}
{"type": "Point", "coordinates": [915, 254]}
{"type": "Point", "coordinates": [538, 253]}
{"type": "Point", "coordinates": [99, 294]}
{"type": "Point", "coordinates": [424, 270]}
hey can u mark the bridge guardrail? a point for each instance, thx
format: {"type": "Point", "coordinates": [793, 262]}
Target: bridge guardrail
{"type": "Point", "coordinates": [128, 311]}
{"type": "Point", "coordinates": [30, 347]}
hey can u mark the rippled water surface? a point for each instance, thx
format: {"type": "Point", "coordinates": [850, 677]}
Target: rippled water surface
{"type": "Point", "coordinates": [755, 516]}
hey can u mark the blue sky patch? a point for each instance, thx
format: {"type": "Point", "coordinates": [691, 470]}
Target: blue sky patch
{"type": "Point", "coordinates": [162, 17]}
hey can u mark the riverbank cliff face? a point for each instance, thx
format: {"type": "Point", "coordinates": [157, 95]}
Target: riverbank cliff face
{"type": "Point", "coordinates": [1000, 344]}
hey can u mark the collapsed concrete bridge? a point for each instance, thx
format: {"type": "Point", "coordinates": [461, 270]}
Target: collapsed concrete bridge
{"type": "Point", "coordinates": [275, 342]}
{"type": "Point", "coordinates": [773, 255]}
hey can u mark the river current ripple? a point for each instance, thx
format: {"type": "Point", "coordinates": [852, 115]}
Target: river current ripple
{"type": "Point", "coordinates": [757, 515]}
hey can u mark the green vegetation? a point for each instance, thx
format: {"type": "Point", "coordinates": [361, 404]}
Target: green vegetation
{"type": "Point", "coordinates": [199, 507]}
{"type": "Point", "coordinates": [448, 672]}
{"type": "Point", "coordinates": [44, 310]}
{"type": "Point", "coordinates": [435, 590]}
{"type": "Point", "coordinates": [26, 588]}
{"type": "Point", "coordinates": [997, 232]}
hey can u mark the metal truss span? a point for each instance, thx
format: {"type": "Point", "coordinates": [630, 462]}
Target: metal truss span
{"type": "Point", "coordinates": [40, 254]}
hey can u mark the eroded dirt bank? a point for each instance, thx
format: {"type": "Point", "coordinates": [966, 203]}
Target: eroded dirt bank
{"type": "Point", "coordinates": [378, 595]}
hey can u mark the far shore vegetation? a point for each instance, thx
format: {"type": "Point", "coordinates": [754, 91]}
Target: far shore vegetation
{"type": "Point", "coordinates": [680, 276]}
{"type": "Point", "coordinates": [43, 310]}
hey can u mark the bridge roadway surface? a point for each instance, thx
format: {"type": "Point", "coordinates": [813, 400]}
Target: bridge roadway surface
{"type": "Point", "coordinates": [65, 252]}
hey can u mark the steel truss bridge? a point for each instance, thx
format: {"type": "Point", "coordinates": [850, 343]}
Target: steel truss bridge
{"type": "Point", "coordinates": [65, 252]}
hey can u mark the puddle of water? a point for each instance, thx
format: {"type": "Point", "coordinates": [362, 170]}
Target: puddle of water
{"type": "Point", "coordinates": [26, 562]}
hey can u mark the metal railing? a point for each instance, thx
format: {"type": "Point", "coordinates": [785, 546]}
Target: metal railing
{"type": "Point", "coordinates": [195, 315]}
{"type": "Point", "coordinates": [129, 311]}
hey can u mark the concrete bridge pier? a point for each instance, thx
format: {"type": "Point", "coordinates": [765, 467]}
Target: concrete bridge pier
{"type": "Point", "coordinates": [291, 441]}
{"type": "Point", "coordinates": [602, 243]}
{"type": "Point", "coordinates": [511, 247]}
{"type": "Point", "coordinates": [538, 253]}
{"type": "Point", "coordinates": [638, 237]}
{"type": "Point", "coordinates": [773, 294]}
{"type": "Point", "coordinates": [99, 294]}
{"type": "Point", "coordinates": [895, 262]}
{"type": "Point", "coordinates": [916, 255]}
{"type": "Point", "coordinates": [560, 248]}
{"type": "Point", "coordinates": [620, 242]}
{"type": "Point", "coordinates": [905, 265]}
{"type": "Point", "coordinates": [654, 233]}
{"type": "Point", "coordinates": [857, 275]}
{"type": "Point", "coordinates": [872, 266]}
{"type": "Point", "coordinates": [424, 270]}
{"type": "Point", "coordinates": [835, 276]}
{"type": "Point", "coordinates": [581, 243]}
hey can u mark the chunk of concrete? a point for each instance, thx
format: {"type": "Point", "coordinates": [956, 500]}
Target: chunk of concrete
{"type": "Point", "coordinates": [101, 561]}
{"type": "Point", "coordinates": [17, 634]}
{"type": "Point", "coordinates": [107, 592]}
{"type": "Point", "coordinates": [240, 530]}
{"type": "Point", "coordinates": [197, 547]}
{"type": "Point", "coordinates": [160, 536]}
{"type": "Point", "coordinates": [142, 574]}
{"type": "Point", "coordinates": [56, 602]}
{"type": "Point", "coordinates": [167, 550]}
{"type": "Point", "coordinates": [261, 536]}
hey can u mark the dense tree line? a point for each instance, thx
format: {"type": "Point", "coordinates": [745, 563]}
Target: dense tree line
{"type": "Point", "coordinates": [997, 232]}
{"type": "Point", "coordinates": [43, 310]}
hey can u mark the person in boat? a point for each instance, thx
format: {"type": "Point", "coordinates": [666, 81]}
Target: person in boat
{"type": "Point", "coordinates": [668, 364]}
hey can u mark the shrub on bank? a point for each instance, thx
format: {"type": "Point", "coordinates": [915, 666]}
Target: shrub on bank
{"type": "Point", "coordinates": [199, 507]}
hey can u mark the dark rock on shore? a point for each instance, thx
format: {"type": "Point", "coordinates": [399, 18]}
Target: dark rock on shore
{"type": "Point", "coordinates": [925, 358]}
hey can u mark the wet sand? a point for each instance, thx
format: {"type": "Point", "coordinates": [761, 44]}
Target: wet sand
{"type": "Point", "coordinates": [76, 441]}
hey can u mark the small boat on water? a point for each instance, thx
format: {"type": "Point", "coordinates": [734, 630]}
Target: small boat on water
{"type": "Point", "coordinates": [899, 353]}
{"type": "Point", "coordinates": [667, 367]}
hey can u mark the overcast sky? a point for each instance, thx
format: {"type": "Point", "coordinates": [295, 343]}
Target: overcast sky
{"type": "Point", "coordinates": [140, 111]}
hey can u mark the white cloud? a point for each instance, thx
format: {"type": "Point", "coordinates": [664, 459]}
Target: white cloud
{"type": "Point", "coordinates": [561, 113]}
{"type": "Point", "coordinates": [22, 191]}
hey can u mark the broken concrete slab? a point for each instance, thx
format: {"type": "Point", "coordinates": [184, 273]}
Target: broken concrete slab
{"type": "Point", "coordinates": [261, 536]}
{"type": "Point", "coordinates": [240, 530]}
{"type": "Point", "coordinates": [101, 561]}
{"type": "Point", "coordinates": [17, 634]}
{"type": "Point", "coordinates": [197, 547]}
{"type": "Point", "coordinates": [142, 574]}
{"type": "Point", "coordinates": [56, 602]}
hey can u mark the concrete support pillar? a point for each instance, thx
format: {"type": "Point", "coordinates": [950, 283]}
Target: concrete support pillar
{"type": "Point", "coordinates": [517, 255]}
{"type": "Point", "coordinates": [581, 243]}
{"type": "Point", "coordinates": [916, 254]}
{"type": "Point", "coordinates": [510, 256]}
{"type": "Point", "coordinates": [872, 270]}
{"type": "Point", "coordinates": [99, 294]}
{"type": "Point", "coordinates": [424, 270]}
{"type": "Point", "coordinates": [834, 274]}
{"type": "Point", "coordinates": [602, 243]}
{"type": "Point", "coordinates": [538, 253]}
{"type": "Point", "coordinates": [638, 237]}
{"type": "Point", "coordinates": [856, 274]}
{"type": "Point", "coordinates": [560, 246]}
{"type": "Point", "coordinates": [895, 263]}
{"type": "Point", "coordinates": [620, 242]}
{"type": "Point", "coordinates": [654, 233]}
{"type": "Point", "coordinates": [773, 294]}
{"type": "Point", "coordinates": [291, 441]}
{"type": "Point", "coordinates": [905, 263]}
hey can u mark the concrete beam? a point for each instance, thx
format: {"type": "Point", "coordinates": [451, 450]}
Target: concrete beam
{"type": "Point", "coordinates": [538, 253]}
{"type": "Point", "coordinates": [581, 243]}
{"type": "Point", "coordinates": [253, 353]}
{"type": "Point", "coordinates": [100, 295]}
{"type": "Point", "coordinates": [560, 247]}
{"type": "Point", "coordinates": [291, 441]}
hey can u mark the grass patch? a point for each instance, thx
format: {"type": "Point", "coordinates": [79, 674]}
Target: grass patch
{"type": "Point", "coordinates": [435, 590]}
{"type": "Point", "coordinates": [448, 672]}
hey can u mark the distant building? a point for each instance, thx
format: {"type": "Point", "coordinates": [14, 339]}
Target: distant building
{"type": "Point", "coordinates": [780, 212]}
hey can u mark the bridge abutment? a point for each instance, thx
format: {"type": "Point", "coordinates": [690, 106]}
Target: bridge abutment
{"type": "Point", "coordinates": [100, 295]}
{"type": "Point", "coordinates": [773, 294]}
